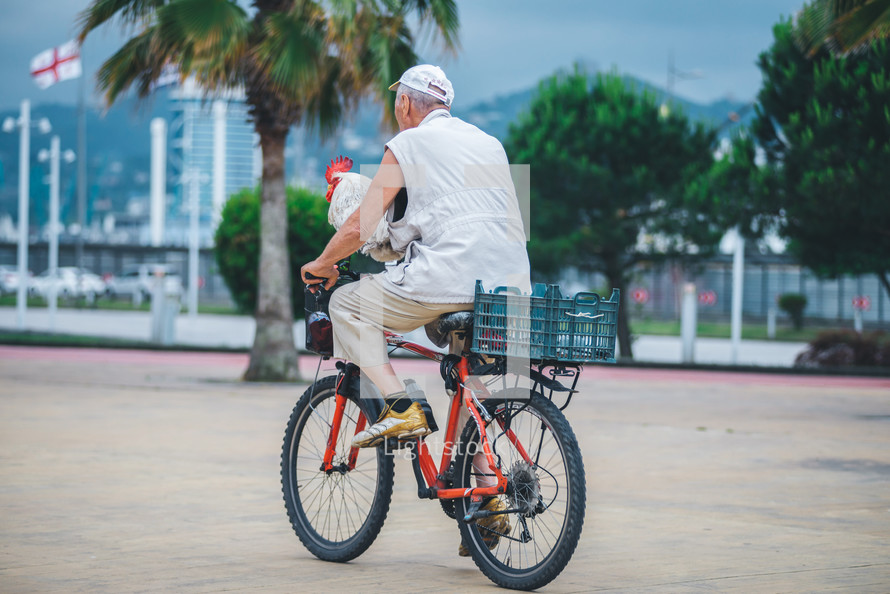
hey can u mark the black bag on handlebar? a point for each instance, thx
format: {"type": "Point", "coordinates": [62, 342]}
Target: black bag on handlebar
{"type": "Point", "coordinates": [319, 331]}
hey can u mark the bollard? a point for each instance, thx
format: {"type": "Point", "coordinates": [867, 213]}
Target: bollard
{"type": "Point", "coordinates": [771, 323]}
{"type": "Point", "coordinates": [172, 305]}
{"type": "Point", "coordinates": [688, 322]}
{"type": "Point", "coordinates": [165, 305]}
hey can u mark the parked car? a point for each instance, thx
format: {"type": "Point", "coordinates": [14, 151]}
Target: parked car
{"type": "Point", "coordinates": [139, 281]}
{"type": "Point", "coordinates": [69, 282]}
{"type": "Point", "coordinates": [9, 279]}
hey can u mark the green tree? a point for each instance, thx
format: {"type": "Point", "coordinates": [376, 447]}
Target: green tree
{"type": "Point", "coordinates": [842, 26]}
{"type": "Point", "coordinates": [732, 191]}
{"type": "Point", "coordinates": [608, 171]}
{"type": "Point", "coordinates": [298, 61]}
{"type": "Point", "coordinates": [825, 128]}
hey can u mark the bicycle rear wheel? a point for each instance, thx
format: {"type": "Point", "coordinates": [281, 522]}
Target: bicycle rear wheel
{"type": "Point", "coordinates": [336, 514]}
{"type": "Point", "coordinates": [546, 490]}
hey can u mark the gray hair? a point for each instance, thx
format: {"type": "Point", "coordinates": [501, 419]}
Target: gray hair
{"type": "Point", "coordinates": [423, 101]}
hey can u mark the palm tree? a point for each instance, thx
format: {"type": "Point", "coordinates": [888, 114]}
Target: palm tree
{"type": "Point", "coordinates": [298, 61]}
{"type": "Point", "coordinates": [843, 26]}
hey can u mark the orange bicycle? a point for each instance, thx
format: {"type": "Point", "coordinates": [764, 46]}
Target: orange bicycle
{"type": "Point", "coordinates": [517, 444]}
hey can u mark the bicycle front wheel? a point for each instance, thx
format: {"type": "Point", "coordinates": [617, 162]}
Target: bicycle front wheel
{"type": "Point", "coordinates": [536, 450]}
{"type": "Point", "coordinates": [338, 513]}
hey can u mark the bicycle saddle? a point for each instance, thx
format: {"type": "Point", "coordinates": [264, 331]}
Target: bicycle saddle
{"type": "Point", "coordinates": [439, 330]}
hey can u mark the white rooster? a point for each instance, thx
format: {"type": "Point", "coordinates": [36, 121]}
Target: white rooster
{"type": "Point", "coordinates": [345, 192]}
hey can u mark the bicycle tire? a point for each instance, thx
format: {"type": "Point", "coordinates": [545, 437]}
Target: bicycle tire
{"type": "Point", "coordinates": [336, 515]}
{"type": "Point", "coordinates": [555, 483]}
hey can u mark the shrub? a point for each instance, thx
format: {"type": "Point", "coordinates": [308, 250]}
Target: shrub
{"type": "Point", "coordinates": [238, 245]}
{"type": "Point", "coordinates": [846, 348]}
{"type": "Point", "coordinates": [794, 305]}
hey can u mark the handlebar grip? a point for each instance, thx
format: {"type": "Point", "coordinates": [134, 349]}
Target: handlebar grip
{"type": "Point", "coordinates": [310, 276]}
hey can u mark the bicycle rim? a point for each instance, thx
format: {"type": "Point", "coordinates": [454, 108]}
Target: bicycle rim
{"type": "Point", "coordinates": [338, 514]}
{"type": "Point", "coordinates": [550, 492]}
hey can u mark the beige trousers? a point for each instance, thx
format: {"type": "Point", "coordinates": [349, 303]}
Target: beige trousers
{"type": "Point", "coordinates": [361, 311]}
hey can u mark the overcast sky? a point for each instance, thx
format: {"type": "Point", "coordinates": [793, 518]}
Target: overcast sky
{"type": "Point", "coordinates": [506, 45]}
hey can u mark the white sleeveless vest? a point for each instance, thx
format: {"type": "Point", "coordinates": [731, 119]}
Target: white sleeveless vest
{"type": "Point", "coordinates": [462, 222]}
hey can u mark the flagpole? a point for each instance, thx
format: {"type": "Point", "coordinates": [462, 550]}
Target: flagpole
{"type": "Point", "coordinates": [81, 167]}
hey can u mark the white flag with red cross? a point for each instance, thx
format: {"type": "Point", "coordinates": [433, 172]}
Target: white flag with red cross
{"type": "Point", "coordinates": [56, 64]}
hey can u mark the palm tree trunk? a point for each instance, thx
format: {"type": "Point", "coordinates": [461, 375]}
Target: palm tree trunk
{"type": "Point", "coordinates": [273, 356]}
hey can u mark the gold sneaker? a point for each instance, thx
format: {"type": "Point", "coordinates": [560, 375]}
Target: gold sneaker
{"type": "Point", "coordinates": [499, 524]}
{"type": "Point", "coordinates": [405, 425]}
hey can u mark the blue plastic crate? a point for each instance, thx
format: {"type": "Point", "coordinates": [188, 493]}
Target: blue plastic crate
{"type": "Point", "coordinates": [545, 326]}
{"type": "Point", "coordinates": [583, 328]}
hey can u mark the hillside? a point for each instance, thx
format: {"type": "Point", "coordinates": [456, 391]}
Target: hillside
{"type": "Point", "coordinates": [118, 146]}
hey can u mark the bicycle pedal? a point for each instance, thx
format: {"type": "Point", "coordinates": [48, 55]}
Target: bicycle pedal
{"type": "Point", "coordinates": [472, 511]}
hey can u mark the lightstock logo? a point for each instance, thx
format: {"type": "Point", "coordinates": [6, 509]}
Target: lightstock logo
{"type": "Point", "coordinates": [457, 450]}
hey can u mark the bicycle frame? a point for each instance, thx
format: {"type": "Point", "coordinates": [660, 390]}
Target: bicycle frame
{"type": "Point", "coordinates": [433, 477]}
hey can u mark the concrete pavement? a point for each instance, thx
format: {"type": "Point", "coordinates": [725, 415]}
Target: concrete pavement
{"type": "Point", "coordinates": [206, 330]}
{"type": "Point", "coordinates": [130, 471]}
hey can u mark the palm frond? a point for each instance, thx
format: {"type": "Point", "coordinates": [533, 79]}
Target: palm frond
{"type": "Point", "coordinates": [444, 13]}
{"type": "Point", "coordinates": [441, 15]}
{"type": "Point", "coordinates": [135, 62]}
{"type": "Point", "coordinates": [857, 27]}
{"type": "Point", "coordinates": [390, 52]}
{"type": "Point", "coordinates": [812, 26]}
{"type": "Point", "coordinates": [130, 12]}
{"type": "Point", "coordinates": [289, 50]}
{"type": "Point", "coordinates": [842, 26]}
{"type": "Point", "coordinates": [324, 108]}
{"type": "Point", "coordinates": [207, 38]}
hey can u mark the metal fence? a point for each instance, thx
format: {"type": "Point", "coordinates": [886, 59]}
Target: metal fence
{"type": "Point", "coordinates": [766, 277]}
{"type": "Point", "coordinates": [658, 291]}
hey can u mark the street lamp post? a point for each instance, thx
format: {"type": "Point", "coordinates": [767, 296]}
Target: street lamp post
{"type": "Point", "coordinates": [195, 178]}
{"type": "Point", "coordinates": [23, 123]}
{"type": "Point", "coordinates": [53, 155]}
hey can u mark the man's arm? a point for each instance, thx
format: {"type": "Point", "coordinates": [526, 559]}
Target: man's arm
{"type": "Point", "coordinates": [360, 224]}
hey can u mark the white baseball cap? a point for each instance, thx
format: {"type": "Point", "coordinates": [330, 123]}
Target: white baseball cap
{"type": "Point", "coordinates": [428, 79]}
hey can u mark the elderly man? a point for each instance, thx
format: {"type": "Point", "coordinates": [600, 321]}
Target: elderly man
{"type": "Point", "coordinates": [444, 187]}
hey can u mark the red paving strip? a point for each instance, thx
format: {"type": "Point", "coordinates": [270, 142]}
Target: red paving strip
{"type": "Point", "coordinates": [126, 356]}
{"type": "Point", "coordinates": [309, 363]}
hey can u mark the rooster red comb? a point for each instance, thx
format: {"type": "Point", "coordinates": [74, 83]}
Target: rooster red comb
{"type": "Point", "coordinates": [341, 165]}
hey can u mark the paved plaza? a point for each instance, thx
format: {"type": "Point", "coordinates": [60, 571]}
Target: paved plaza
{"type": "Point", "coordinates": [131, 471]}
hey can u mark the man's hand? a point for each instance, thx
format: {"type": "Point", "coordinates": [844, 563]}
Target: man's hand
{"type": "Point", "coordinates": [317, 273]}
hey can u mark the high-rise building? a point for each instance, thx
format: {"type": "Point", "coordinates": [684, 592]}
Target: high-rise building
{"type": "Point", "coordinates": [214, 152]}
